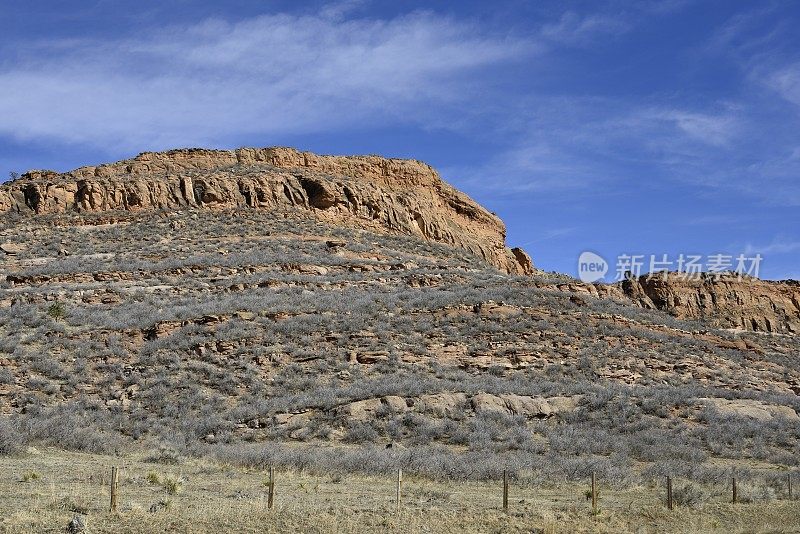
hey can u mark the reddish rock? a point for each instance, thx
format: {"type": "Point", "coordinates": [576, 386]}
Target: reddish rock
{"type": "Point", "coordinates": [395, 195]}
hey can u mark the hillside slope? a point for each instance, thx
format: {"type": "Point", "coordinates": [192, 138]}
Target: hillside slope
{"type": "Point", "coordinates": [289, 327]}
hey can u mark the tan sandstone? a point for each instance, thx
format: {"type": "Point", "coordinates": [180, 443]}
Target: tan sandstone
{"type": "Point", "coordinates": [396, 195]}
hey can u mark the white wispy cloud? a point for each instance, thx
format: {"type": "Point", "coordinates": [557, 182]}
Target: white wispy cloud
{"type": "Point", "coordinates": [530, 166]}
{"type": "Point", "coordinates": [674, 129]}
{"type": "Point", "coordinates": [712, 220]}
{"type": "Point", "coordinates": [779, 245]}
{"type": "Point", "coordinates": [603, 21]}
{"type": "Point", "coordinates": [575, 29]}
{"type": "Point", "coordinates": [548, 234]}
{"type": "Point", "coordinates": [585, 145]}
{"type": "Point", "coordinates": [755, 41]}
{"type": "Point", "coordinates": [702, 127]}
{"type": "Point", "coordinates": [761, 159]}
{"type": "Point", "coordinates": [742, 34]}
{"type": "Point", "coordinates": [281, 73]}
{"type": "Point", "coordinates": [786, 82]}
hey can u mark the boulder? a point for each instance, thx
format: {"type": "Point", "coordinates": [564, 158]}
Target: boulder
{"type": "Point", "coordinates": [12, 249]}
{"type": "Point", "coordinates": [373, 356]}
{"type": "Point", "coordinates": [335, 245]}
{"type": "Point", "coordinates": [563, 404]}
{"type": "Point", "coordinates": [497, 310]}
{"type": "Point", "coordinates": [76, 525]}
{"type": "Point", "coordinates": [531, 407]}
{"type": "Point", "coordinates": [362, 410]}
{"type": "Point", "coordinates": [526, 406]}
{"type": "Point", "coordinates": [751, 409]}
{"type": "Point", "coordinates": [291, 419]}
{"type": "Point", "coordinates": [396, 404]}
{"type": "Point", "coordinates": [525, 262]}
{"type": "Point", "coordinates": [485, 403]}
{"type": "Point", "coordinates": [441, 404]}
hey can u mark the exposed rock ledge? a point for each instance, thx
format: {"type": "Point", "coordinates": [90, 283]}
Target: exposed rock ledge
{"type": "Point", "coordinates": [724, 300]}
{"type": "Point", "coordinates": [404, 196]}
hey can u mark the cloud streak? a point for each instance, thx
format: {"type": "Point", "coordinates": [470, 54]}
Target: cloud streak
{"type": "Point", "coordinates": [593, 146]}
{"type": "Point", "coordinates": [272, 74]}
{"type": "Point", "coordinates": [573, 29]}
{"type": "Point", "coordinates": [779, 245]}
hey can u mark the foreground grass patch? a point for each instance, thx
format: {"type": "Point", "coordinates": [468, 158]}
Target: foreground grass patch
{"type": "Point", "coordinates": [215, 497]}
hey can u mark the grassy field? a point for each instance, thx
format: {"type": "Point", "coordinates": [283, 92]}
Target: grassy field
{"type": "Point", "coordinates": [41, 491]}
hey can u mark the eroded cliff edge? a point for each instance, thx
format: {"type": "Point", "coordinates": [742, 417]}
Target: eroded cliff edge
{"type": "Point", "coordinates": [396, 195]}
{"type": "Point", "coordinates": [724, 300]}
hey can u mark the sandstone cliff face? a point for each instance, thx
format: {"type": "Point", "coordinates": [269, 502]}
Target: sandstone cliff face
{"type": "Point", "coordinates": [727, 301]}
{"type": "Point", "coordinates": [404, 196]}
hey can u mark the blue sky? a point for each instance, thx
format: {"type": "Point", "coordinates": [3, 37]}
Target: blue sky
{"type": "Point", "coordinates": [617, 127]}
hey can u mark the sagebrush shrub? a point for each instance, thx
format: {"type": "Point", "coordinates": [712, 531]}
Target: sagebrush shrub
{"type": "Point", "coordinates": [689, 495]}
{"type": "Point", "coordinates": [11, 439]}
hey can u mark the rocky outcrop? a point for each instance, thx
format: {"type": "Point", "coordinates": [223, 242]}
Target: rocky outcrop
{"type": "Point", "coordinates": [750, 409]}
{"type": "Point", "coordinates": [11, 248]}
{"type": "Point", "coordinates": [727, 300]}
{"type": "Point", "coordinates": [442, 404]}
{"type": "Point", "coordinates": [457, 405]}
{"type": "Point", "coordinates": [530, 407]}
{"type": "Point", "coordinates": [403, 196]}
{"type": "Point", "coordinates": [722, 300]}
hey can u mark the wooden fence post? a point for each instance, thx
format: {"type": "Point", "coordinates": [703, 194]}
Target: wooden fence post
{"type": "Point", "coordinates": [505, 490]}
{"type": "Point", "coordinates": [594, 495]}
{"type": "Point", "coordinates": [733, 484]}
{"type": "Point", "coordinates": [669, 493]}
{"type": "Point", "coordinates": [114, 481]}
{"type": "Point", "coordinates": [398, 492]}
{"type": "Point", "coordinates": [271, 491]}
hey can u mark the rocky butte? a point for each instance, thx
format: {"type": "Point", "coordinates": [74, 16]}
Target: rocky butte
{"type": "Point", "coordinates": [377, 194]}
{"type": "Point", "coordinates": [397, 195]}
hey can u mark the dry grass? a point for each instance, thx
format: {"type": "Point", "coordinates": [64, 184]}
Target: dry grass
{"type": "Point", "coordinates": [220, 498]}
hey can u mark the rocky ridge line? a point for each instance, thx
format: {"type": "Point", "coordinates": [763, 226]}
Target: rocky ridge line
{"type": "Point", "coordinates": [375, 193]}
{"type": "Point", "coordinates": [397, 195]}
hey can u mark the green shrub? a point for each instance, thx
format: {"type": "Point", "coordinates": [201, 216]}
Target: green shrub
{"type": "Point", "coordinates": [57, 310]}
{"type": "Point", "coordinates": [172, 485]}
{"type": "Point", "coordinates": [31, 476]}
